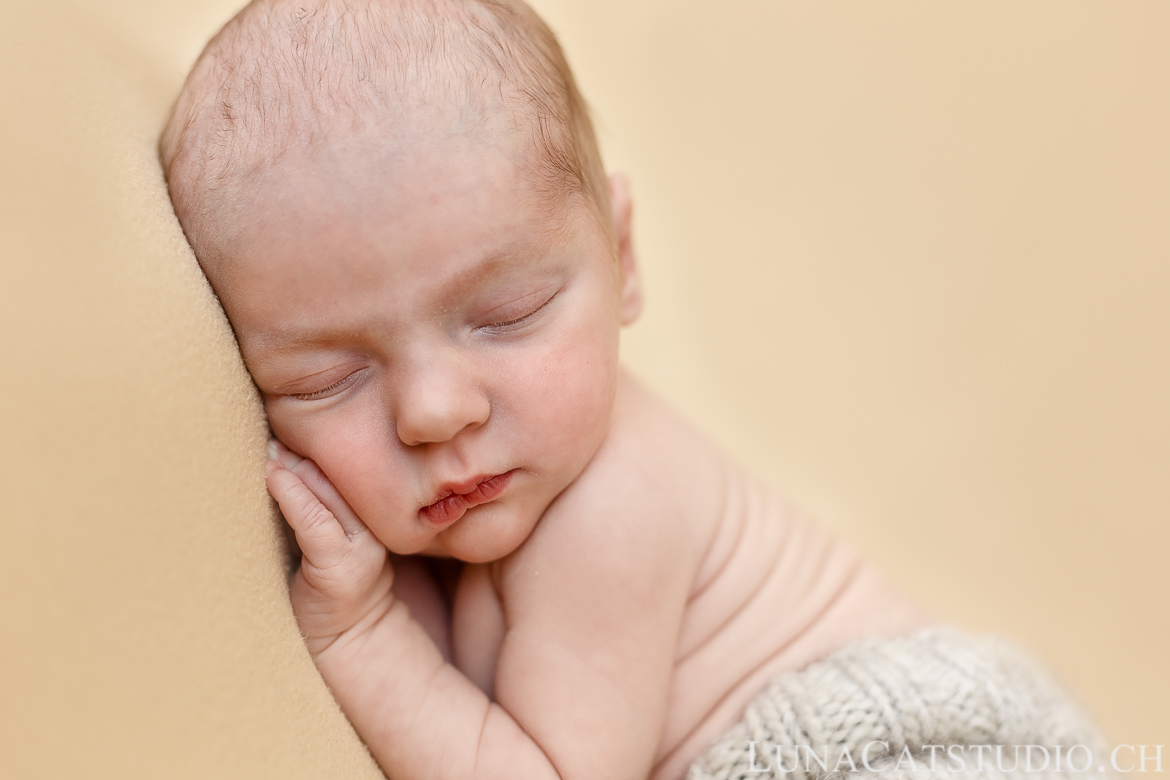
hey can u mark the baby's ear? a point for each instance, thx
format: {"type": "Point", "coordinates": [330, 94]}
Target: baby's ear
{"type": "Point", "coordinates": [621, 212]}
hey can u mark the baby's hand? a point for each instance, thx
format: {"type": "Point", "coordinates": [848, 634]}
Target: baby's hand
{"type": "Point", "coordinates": [343, 584]}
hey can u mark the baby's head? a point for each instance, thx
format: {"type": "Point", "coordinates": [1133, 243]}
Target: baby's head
{"type": "Point", "coordinates": [401, 206]}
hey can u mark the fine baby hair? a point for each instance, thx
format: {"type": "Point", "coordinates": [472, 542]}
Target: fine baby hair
{"type": "Point", "coordinates": [283, 74]}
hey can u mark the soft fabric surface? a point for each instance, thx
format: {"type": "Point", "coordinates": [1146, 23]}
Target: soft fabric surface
{"type": "Point", "coordinates": [145, 630]}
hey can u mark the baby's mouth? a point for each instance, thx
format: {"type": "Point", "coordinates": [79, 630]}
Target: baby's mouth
{"type": "Point", "coordinates": [453, 506]}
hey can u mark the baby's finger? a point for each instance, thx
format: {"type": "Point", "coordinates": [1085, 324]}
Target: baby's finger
{"type": "Point", "coordinates": [323, 541]}
{"type": "Point", "coordinates": [311, 474]}
{"type": "Point", "coordinates": [282, 454]}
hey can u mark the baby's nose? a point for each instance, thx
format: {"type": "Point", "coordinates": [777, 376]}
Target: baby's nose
{"type": "Point", "coordinates": [437, 398]}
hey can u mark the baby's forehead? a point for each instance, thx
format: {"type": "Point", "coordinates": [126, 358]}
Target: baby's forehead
{"type": "Point", "coordinates": [423, 168]}
{"type": "Point", "coordinates": [361, 178]}
{"type": "Point", "coordinates": [464, 197]}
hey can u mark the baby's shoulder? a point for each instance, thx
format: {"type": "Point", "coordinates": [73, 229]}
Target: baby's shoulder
{"type": "Point", "coordinates": [653, 468]}
{"type": "Point", "coordinates": [654, 489]}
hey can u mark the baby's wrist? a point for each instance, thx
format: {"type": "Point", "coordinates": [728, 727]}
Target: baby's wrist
{"type": "Point", "coordinates": [328, 623]}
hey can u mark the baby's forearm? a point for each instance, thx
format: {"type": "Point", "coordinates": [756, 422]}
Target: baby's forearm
{"type": "Point", "coordinates": [421, 717]}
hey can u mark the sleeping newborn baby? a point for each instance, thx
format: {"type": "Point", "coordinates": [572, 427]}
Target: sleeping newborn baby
{"type": "Point", "coordinates": [517, 561]}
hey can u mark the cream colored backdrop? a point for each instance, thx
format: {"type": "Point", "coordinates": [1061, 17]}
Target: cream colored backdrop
{"type": "Point", "coordinates": [909, 260]}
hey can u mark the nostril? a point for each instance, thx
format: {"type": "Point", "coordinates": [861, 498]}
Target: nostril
{"type": "Point", "coordinates": [440, 423]}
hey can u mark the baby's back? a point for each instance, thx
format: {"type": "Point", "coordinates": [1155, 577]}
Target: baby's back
{"type": "Point", "coordinates": [774, 593]}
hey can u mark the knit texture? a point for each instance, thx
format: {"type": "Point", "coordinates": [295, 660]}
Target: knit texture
{"type": "Point", "coordinates": [935, 687]}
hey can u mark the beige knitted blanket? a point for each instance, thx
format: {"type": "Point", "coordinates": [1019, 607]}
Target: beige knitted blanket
{"type": "Point", "coordinates": [936, 704]}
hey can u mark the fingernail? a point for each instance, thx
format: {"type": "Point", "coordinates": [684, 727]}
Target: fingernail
{"type": "Point", "coordinates": [273, 452]}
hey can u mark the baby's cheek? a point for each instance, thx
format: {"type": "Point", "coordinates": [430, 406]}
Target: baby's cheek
{"type": "Point", "coordinates": [350, 446]}
{"type": "Point", "coordinates": [577, 389]}
{"type": "Point", "coordinates": [286, 426]}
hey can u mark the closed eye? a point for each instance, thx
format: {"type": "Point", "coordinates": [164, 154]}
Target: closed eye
{"type": "Point", "coordinates": [325, 392]}
{"type": "Point", "coordinates": [511, 324]}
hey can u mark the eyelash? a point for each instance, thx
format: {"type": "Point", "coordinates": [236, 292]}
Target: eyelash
{"type": "Point", "coordinates": [518, 320]}
{"type": "Point", "coordinates": [325, 391]}
{"type": "Point", "coordinates": [348, 379]}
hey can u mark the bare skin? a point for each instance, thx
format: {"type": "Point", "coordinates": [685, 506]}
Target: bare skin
{"type": "Point", "coordinates": [436, 344]}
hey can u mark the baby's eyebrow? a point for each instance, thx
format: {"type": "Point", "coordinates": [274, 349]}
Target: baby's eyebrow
{"type": "Point", "coordinates": [265, 348]}
{"type": "Point", "coordinates": [491, 265]}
